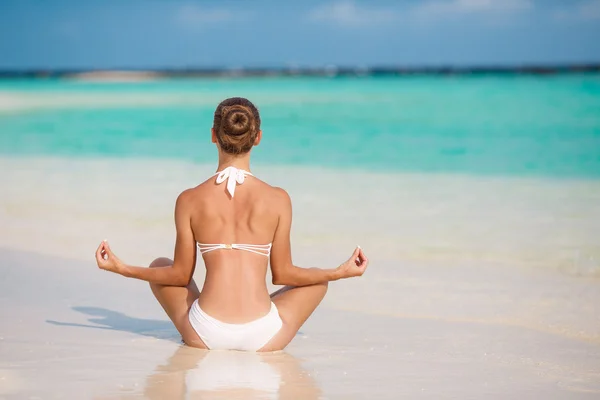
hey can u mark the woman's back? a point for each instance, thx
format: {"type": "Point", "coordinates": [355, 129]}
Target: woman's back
{"type": "Point", "coordinates": [235, 287]}
{"type": "Point", "coordinates": [239, 225]}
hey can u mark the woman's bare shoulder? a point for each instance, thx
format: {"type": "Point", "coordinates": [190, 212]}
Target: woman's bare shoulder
{"type": "Point", "coordinates": [279, 197]}
{"type": "Point", "coordinates": [193, 194]}
{"type": "Point", "coordinates": [273, 196]}
{"type": "Point", "coordinates": [185, 198]}
{"type": "Point", "coordinates": [282, 194]}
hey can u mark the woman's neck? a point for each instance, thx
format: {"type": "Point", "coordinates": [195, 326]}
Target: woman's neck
{"type": "Point", "coordinates": [239, 162]}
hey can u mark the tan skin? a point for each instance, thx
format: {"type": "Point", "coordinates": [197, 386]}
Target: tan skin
{"type": "Point", "coordinates": [235, 289]}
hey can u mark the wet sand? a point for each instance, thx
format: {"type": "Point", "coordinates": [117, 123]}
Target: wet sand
{"type": "Point", "coordinates": [71, 331]}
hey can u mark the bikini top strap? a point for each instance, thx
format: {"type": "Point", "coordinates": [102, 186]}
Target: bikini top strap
{"type": "Point", "coordinates": [262, 249]}
{"type": "Point", "coordinates": [234, 176]}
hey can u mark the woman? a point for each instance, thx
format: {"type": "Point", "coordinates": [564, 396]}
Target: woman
{"type": "Point", "coordinates": [239, 223]}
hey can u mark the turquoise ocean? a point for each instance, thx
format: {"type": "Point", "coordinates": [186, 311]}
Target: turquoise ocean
{"type": "Point", "coordinates": [498, 125]}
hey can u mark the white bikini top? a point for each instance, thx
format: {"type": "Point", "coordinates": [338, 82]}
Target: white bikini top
{"type": "Point", "coordinates": [234, 177]}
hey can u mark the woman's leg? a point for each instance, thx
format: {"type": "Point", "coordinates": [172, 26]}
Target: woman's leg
{"type": "Point", "coordinates": [295, 305]}
{"type": "Point", "coordinates": [176, 301]}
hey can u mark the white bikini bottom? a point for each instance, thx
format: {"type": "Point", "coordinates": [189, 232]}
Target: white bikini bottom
{"type": "Point", "coordinates": [250, 336]}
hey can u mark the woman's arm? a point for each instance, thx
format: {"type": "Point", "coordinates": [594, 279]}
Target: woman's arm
{"type": "Point", "coordinates": [178, 274]}
{"type": "Point", "coordinates": [286, 273]}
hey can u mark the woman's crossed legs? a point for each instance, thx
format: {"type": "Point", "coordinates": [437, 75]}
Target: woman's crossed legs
{"type": "Point", "coordinates": [295, 305]}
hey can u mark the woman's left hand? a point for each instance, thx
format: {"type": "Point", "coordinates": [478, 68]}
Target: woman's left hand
{"type": "Point", "coordinates": [107, 260]}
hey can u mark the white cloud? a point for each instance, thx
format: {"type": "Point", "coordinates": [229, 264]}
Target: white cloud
{"type": "Point", "coordinates": [441, 8]}
{"type": "Point", "coordinates": [583, 11]}
{"type": "Point", "coordinates": [348, 13]}
{"type": "Point", "coordinates": [195, 16]}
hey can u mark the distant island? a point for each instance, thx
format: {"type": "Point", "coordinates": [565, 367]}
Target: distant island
{"type": "Point", "coordinates": [128, 74]}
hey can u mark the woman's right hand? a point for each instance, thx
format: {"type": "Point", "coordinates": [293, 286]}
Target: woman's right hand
{"type": "Point", "coordinates": [355, 266]}
{"type": "Point", "coordinates": [107, 260]}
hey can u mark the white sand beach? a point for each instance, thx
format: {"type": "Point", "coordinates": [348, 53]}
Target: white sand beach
{"type": "Point", "coordinates": [479, 287]}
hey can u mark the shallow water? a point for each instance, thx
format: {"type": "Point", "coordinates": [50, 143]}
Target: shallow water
{"type": "Point", "coordinates": [523, 125]}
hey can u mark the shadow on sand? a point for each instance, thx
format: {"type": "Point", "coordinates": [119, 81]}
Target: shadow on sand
{"type": "Point", "coordinates": [116, 321]}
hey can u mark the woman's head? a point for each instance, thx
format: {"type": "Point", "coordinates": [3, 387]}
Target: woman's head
{"type": "Point", "coordinates": [236, 125]}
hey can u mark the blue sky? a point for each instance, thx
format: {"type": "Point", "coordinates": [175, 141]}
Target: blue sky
{"type": "Point", "coordinates": [175, 34]}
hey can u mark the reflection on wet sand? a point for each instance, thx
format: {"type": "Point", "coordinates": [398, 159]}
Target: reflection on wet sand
{"type": "Point", "coordinates": [196, 374]}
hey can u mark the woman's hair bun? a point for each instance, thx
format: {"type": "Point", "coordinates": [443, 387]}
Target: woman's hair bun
{"type": "Point", "coordinates": [236, 120]}
{"type": "Point", "coordinates": [236, 125]}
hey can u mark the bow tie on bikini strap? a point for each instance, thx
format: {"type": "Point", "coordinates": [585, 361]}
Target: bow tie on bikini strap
{"type": "Point", "coordinates": [234, 176]}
